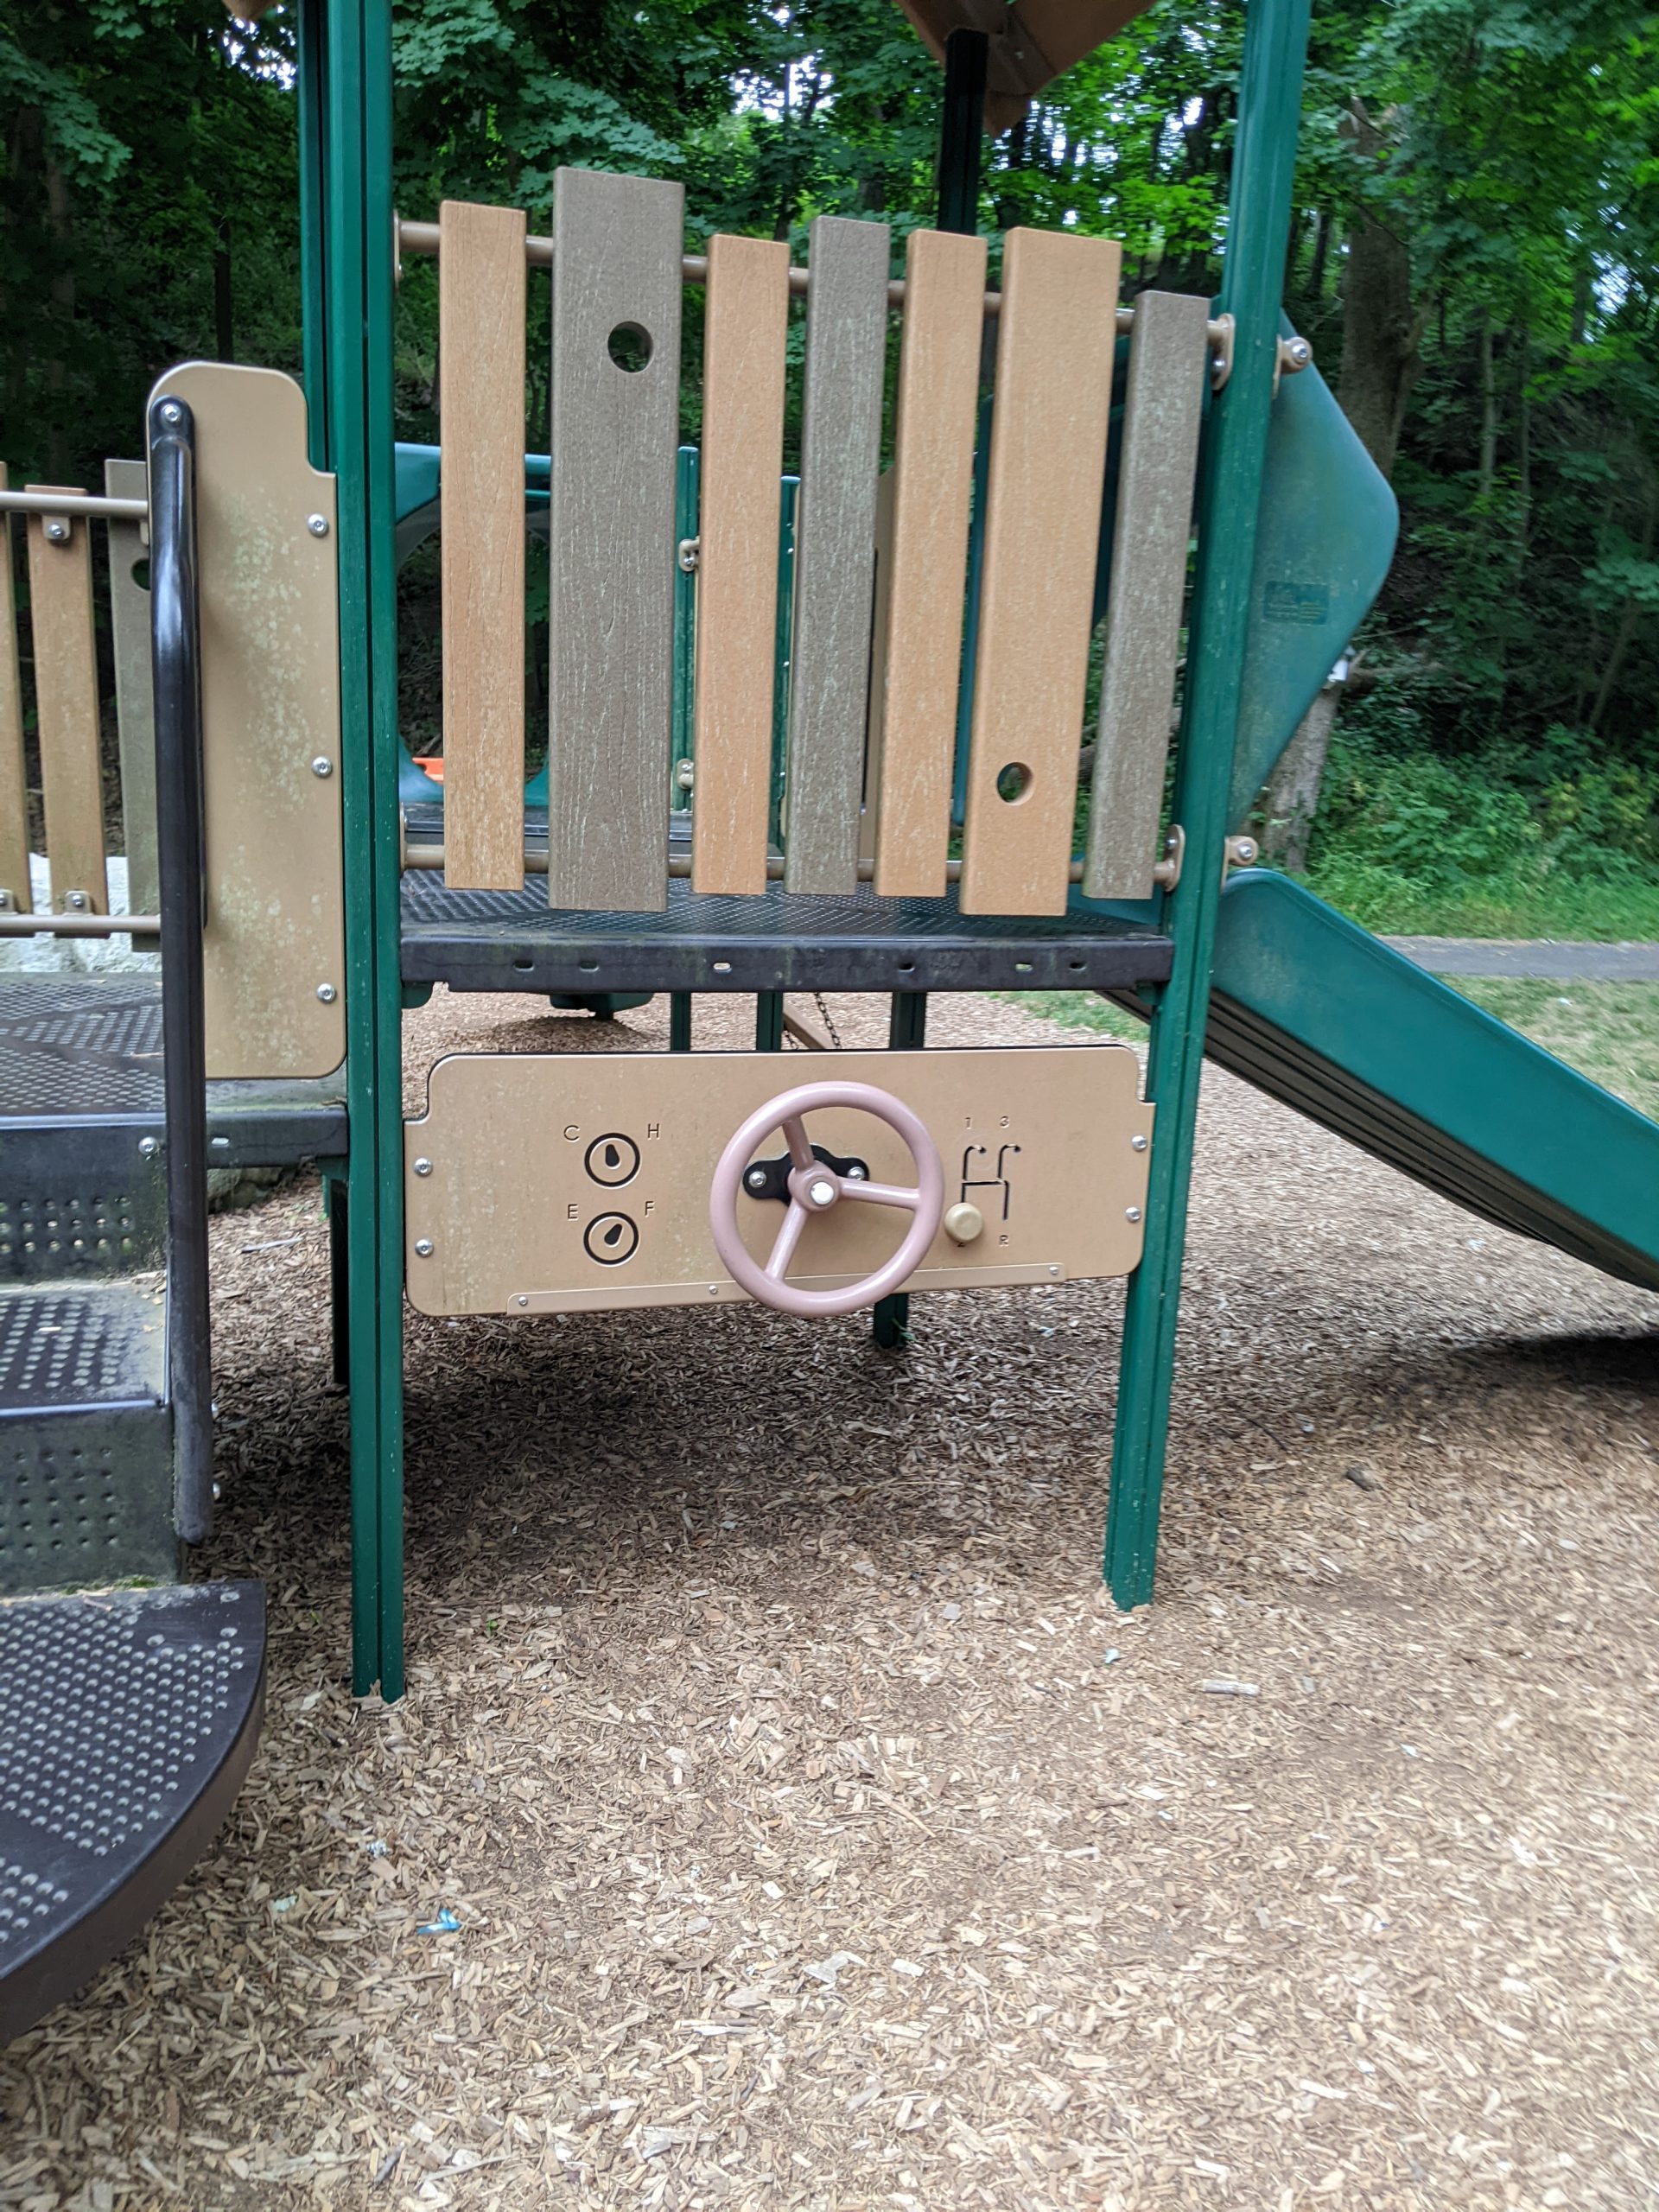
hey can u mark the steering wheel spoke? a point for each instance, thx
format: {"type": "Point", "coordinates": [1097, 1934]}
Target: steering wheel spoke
{"type": "Point", "coordinates": [814, 1188]}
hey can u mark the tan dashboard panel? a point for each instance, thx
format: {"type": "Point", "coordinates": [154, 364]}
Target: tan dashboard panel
{"type": "Point", "coordinates": [568, 1183]}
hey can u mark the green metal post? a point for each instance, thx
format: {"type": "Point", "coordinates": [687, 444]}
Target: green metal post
{"type": "Point", "coordinates": [348, 237]}
{"type": "Point", "coordinates": [906, 1032]}
{"type": "Point", "coordinates": [679, 1021]}
{"type": "Point", "coordinates": [1276, 40]}
{"type": "Point", "coordinates": [768, 1021]}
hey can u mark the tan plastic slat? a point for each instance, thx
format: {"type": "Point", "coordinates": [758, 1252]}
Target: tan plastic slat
{"type": "Point", "coordinates": [275, 939]}
{"type": "Point", "coordinates": [835, 552]}
{"type": "Point", "coordinates": [14, 785]}
{"type": "Point", "coordinates": [933, 469]}
{"type": "Point", "coordinates": [481, 284]}
{"type": "Point", "coordinates": [66, 697]}
{"type": "Point", "coordinates": [739, 492]}
{"type": "Point", "coordinates": [135, 700]}
{"type": "Point", "coordinates": [616, 275]}
{"type": "Point", "coordinates": [1168, 359]}
{"type": "Point", "coordinates": [1047, 470]}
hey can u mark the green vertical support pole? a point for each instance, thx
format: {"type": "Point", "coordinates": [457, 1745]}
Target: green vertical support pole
{"type": "Point", "coordinates": [962, 138]}
{"type": "Point", "coordinates": [349, 42]}
{"type": "Point", "coordinates": [906, 1032]}
{"type": "Point", "coordinates": [1276, 40]}
{"type": "Point", "coordinates": [768, 1021]}
{"type": "Point", "coordinates": [685, 683]}
{"type": "Point", "coordinates": [784, 633]}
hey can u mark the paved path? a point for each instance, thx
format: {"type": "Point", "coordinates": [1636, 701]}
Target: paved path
{"type": "Point", "coordinates": [1544, 961]}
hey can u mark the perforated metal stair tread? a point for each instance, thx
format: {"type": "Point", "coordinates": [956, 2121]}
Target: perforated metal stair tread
{"type": "Point", "coordinates": [93, 1344]}
{"type": "Point", "coordinates": [512, 940]}
{"type": "Point", "coordinates": [78, 1050]}
{"type": "Point", "coordinates": [128, 1719]}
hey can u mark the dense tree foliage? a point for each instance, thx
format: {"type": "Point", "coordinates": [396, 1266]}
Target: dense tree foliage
{"type": "Point", "coordinates": [1475, 258]}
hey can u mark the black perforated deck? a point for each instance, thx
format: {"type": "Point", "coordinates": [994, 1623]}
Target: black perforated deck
{"type": "Point", "coordinates": [80, 1065]}
{"type": "Point", "coordinates": [128, 1719]}
{"type": "Point", "coordinates": [512, 940]}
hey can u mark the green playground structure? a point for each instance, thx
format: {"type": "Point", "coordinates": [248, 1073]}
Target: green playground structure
{"type": "Point", "coordinates": [807, 730]}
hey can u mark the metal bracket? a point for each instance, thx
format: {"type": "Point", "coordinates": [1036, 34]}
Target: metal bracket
{"type": "Point", "coordinates": [1238, 852]}
{"type": "Point", "coordinates": [690, 554]}
{"type": "Point", "coordinates": [1166, 873]}
{"type": "Point", "coordinates": [1293, 355]}
{"type": "Point", "coordinates": [1224, 332]}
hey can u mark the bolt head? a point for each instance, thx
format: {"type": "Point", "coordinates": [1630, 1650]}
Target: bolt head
{"type": "Point", "coordinates": [523, 1298]}
{"type": "Point", "coordinates": [1131, 1213]}
{"type": "Point", "coordinates": [854, 1173]}
{"type": "Point", "coordinates": [822, 1194]}
{"type": "Point", "coordinates": [149, 1146]}
{"type": "Point", "coordinates": [322, 766]}
{"type": "Point", "coordinates": [424, 1248]}
{"type": "Point", "coordinates": [756, 1179]}
{"type": "Point", "coordinates": [57, 532]}
{"type": "Point", "coordinates": [76, 902]}
{"type": "Point", "coordinates": [423, 1168]}
{"type": "Point", "coordinates": [1137, 1143]}
{"type": "Point", "coordinates": [328, 993]}
{"type": "Point", "coordinates": [171, 411]}
{"type": "Point", "coordinates": [317, 525]}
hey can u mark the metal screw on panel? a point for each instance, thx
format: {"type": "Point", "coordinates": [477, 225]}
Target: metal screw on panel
{"type": "Point", "coordinates": [424, 1248]}
{"type": "Point", "coordinates": [317, 525]}
{"type": "Point", "coordinates": [756, 1179]}
{"type": "Point", "coordinates": [328, 993]}
{"type": "Point", "coordinates": [714, 1290]}
{"type": "Point", "coordinates": [57, 532]}
{"type": "Point", "coordinates": [1053, 1269]}
{"type": "Point", "coordinates": [854, 1173]}
{"type": "Point", "coordinates": [1137, 1144]}
{"type": "Point", "coordinates": [1298, 353]}
{"type": "Point", "coordinates": [521, 1300]}
{"type": "Point", "coordinates": [217, 1492]}
{"type": "Point", "coordinates": [1131, 1213]}
{"type": "Point", "coordinates": [171, 411]}
{"type": "Point", "coordinates": [75, 901]}
{"type": "Point", "coordinates": [149, 1146]}
{"type": "Point", "coordinates": [322, 766]}
{"type": "Point", "coordinates": [423, 1168]}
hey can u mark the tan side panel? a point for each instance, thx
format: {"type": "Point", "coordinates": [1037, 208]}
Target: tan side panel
{"type": "Point", "coordinates": [617, 242]}
{"type": "Point", "coordinates": [737, 563]}
{"type": "Point", "coordinates": [533, 1161]}
{"type": "Point", "coordinates": [481, 273]}
{"type": "Point", "coordinates": [269, 708]}
{"type": "Point", "coordinates": [66, 697]}
{"type": "Point", "coordinates": [14, 785]}
{"type": "Point", "coordinates": [1169, 358]}
{"type": "Point", "coordinates": [933, 464]}
{"type": "Point", "coordinates": [135, 699]}
{"type": "Point", "coordinates": [1055, 338]}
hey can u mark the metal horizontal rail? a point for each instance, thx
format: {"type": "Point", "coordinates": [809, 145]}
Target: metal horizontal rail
{"type": "Point", "coordinates": [422, 239]}
{"type": "Point", "coordinates": [431, 856]}
{"type": "Point", "coordinates": [80, 924]}
{"type": "Point", "coordinates": [91, 503]}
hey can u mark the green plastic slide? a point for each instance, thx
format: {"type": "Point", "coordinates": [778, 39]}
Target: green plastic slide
{"type": "Point", "coordinates": [1318, 1013]}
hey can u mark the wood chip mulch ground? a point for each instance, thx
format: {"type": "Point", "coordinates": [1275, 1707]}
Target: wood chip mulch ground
{"type": "Point", "coordinates": [780, 1815]}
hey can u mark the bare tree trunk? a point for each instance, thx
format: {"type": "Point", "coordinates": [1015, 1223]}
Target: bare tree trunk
{"type": "Point", "coordinates": [1488, 471]}
{"type": "Point", "coordinates": [1291, 798]}
{"type": "Point", "coordinates": [1629, 614]}
{"type": "Point", "coordinates": [1382, 330]}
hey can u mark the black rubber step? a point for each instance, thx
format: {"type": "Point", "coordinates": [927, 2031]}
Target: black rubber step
{"type": "Point", "coordinates": [128, 1721]}
{"type": "Point", "coordinates": [65, 1346]}
{"type": "Point", "coordinates": [81, 1075]}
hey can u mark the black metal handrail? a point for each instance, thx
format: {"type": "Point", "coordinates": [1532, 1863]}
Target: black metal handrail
{"type": "Point", "coordinates": [175, 643]}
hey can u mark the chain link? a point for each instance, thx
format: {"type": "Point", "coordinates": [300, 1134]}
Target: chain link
{"type": "Point", "coordinates": [829, 1019]}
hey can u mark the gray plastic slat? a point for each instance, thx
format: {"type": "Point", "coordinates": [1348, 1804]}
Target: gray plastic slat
{"type": "Point", "coordinates": [617, 242]}
{"type": "Point", "coordinates": [835, 550]}
{"type": "Point", "coordinates": [1169, 356]}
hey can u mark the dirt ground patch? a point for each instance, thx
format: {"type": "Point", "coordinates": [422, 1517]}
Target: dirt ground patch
{"type": "Point", "coordinates": [817, 1834]}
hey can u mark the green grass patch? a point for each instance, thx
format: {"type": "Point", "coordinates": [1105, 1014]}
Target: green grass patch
{"type": "Point", "coordinates": [1081, 1010]}
{"type": "Point", "coordinates": [1609, 1031]}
